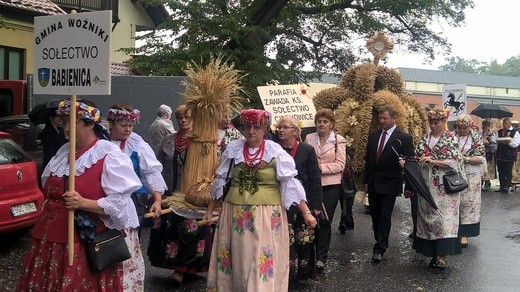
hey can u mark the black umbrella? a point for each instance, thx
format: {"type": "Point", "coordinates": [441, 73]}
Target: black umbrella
{"type": "Point", "coordinates": [40, 113]}
{"type": "Point", "coordinates": [490, 110]}
{"type": "Point", "coordinates": [413, 175]}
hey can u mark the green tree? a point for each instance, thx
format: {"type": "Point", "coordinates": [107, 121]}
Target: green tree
{"type": "Point", "coordinates": [459, 64]}
{"type": "Point", "coordinates": [276, 40]}
{"type": "Point", "coordinates": [511, 67]}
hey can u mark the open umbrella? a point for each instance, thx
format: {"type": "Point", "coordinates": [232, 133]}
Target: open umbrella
{"type": "Point", "coordinates": [40, 113]}
{"type": "Point", "coordinates": [413, 175]}
{"type": "Point", "coordinates": [490, 110]}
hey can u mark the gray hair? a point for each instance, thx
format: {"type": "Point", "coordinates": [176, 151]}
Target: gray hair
{"type": "Point", "coordinates": [164, 111]}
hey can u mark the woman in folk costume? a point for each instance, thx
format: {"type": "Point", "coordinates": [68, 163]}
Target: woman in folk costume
{"type": "Point", "coordinates": [473, 154]}
{"type": "Point", "coordinates": [104, 181]}
{"type": "Point", "coordinates": [438, 151]}
{"type": "Point", "coordinates": [301, 237]}
{"type": "Point", "coordinates": [251, 244]}
{"type": "Point", "coordinates": [121, 118]}
{"type": "Point", "coordinates": [177, 242]}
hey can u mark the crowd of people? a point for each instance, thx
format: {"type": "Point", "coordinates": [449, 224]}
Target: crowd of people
{"type": "Point", "coordinates": [276, 197]}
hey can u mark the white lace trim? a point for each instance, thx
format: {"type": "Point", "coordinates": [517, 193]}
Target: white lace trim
{"type": "Point", "coordinates": [59, 164]}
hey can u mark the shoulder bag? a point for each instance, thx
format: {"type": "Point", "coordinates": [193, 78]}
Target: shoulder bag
{"type": "Point", "coordinates": [227, 186]}
{"type": "Point", "coordinates": [106, 249]}
{"type": "Point", "coordinates": [453, 182]}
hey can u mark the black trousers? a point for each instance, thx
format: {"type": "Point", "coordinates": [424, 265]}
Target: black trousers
{"type": "Point", "coordinates": [505, 173]}
{"type": "Point", "coordinates": [381, 208]}
{"type": "Point", "coordinates": [331, 196]}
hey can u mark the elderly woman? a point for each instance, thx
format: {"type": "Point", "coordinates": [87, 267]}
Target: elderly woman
{"type": "Point", "coordinates": [471, 146]}
{"type": "Point", "coordinates": [301, 237]}
{"type": "Point", "coordinates": [161, 127]}
{"type": "Point", "coordinates": [438, 151]}
{"type": "Point", "coordinates": [331, 153]}
{"type": "Point", "coordinates": [121, 118]}
{"type": "Point", "coordinates": [104, 180]}
{"type": "Point", "coordinates": [490, 144]}
{"type": "Point", "coordinates": [251, 245]}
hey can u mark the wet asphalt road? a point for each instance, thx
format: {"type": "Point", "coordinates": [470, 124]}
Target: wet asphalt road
{"type": "Point", "coordinates": [490, 263]}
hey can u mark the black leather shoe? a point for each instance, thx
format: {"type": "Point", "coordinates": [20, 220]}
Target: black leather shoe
{"type": "Point", "coordinates": [377, 258]}
{"type": "Point", "coordinates": [411, 235]}
{"type": "Point", "coordinates": [504, 191]}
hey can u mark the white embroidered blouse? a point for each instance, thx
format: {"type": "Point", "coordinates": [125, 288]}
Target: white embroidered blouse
{"type": "Point", "coordinates": [118, 180]}
{"type": "Point", "coordinates": [291, 189]}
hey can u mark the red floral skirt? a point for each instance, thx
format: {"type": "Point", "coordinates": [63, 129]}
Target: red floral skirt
{"type": "Point", "coordinates": [46, 268]}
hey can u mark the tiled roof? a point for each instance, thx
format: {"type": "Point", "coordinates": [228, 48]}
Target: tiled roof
{"type": "Point", "coordinates": [121, 69]}
{"type": "Point", "coordinates": [45, 7]}
{"type": "Point", "coordinates": [448, 77]}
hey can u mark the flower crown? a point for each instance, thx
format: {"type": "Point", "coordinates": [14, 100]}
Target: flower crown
{"type": "Point", "coordinates": [115, 114]}
{"type": "Point", "coordinates": [437, 115]}
{"type": "Point", "coordinates": [255, 116]}
{"type": "Point", "coordinates": [463, 122]}
{"type": "Point", "coordinates": [83, 111]}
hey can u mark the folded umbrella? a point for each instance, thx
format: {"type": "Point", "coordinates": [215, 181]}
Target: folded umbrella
{"type": "Point", "coordinates": [414, 177]}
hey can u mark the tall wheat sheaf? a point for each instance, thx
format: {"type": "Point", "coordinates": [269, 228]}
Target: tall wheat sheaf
{"type": "Point", "coordinates": [210, 93]}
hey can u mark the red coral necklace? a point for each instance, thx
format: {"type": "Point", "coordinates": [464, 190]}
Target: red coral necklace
{"type": "Point", "coordinates": [249, 159]}
{"type": "Point", "coordinates": [181, 143]}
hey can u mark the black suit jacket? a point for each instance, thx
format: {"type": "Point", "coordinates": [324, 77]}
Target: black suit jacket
{"type": "Point", "coordinates": [385, 176]}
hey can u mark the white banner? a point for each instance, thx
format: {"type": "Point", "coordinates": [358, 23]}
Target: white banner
{"type": "Point", "coordinates": [454, 99]}
{"type": "Point", "coordinates": [72, 53]}
{"type": "Point", "coordinates": [288, 100]}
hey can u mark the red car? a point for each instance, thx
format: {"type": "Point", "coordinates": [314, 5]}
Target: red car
{"type": "Point", "coordinates": [21, 201]}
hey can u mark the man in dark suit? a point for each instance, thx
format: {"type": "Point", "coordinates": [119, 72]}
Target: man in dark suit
{"type": "Point", "coordinates": [383, 175]}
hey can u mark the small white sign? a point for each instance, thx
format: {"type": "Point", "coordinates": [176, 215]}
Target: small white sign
{"type": "Point", "coordinates": [72, 53]}
{"type": "Point", "coordinates": [454, 100]}
{"type": "Point", "coordinates": [288, 100]}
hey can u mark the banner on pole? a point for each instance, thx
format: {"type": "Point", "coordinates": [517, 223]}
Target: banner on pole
{"type": "Point", "coordinates": [293, 100]}
{"type": "Point", "coordinates": [72, 53]}
{"type": "Point", "coordinates": [454, 100]}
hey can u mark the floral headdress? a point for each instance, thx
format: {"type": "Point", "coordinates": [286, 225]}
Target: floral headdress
{"type": "Point", "coordinates": [464, 121]}
{"type": "Point", "coordinates": [255, 116]}
{"type": "Point", "coordinates": [437, 115]}
{"type": "Point", "coordinates": [84, 111]}
{"type": "Point", "coordinates": [115, 114]}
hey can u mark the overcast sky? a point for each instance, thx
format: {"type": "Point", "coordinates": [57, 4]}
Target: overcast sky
{"type": "Point", "coordinates": [491, 32]}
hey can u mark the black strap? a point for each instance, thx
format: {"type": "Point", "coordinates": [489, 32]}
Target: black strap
{"type": "Point", "coordinates": [229, 169]}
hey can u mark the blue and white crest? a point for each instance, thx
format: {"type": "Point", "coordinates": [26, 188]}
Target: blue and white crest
{"type": "Point", "coordinates": [43, 76]}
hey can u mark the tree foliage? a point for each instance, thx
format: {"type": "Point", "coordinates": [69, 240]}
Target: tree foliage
{"type": "Point", "coordinates": [276, 40]}
{"type": "Point", "coordinates": [511, 67]}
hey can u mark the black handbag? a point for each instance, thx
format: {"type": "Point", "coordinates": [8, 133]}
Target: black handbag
{"type": "Point", "coordinates": [227, 186]}
{"type": "Point", "coordinates": [106, 249]}
{"type": "Point", "coordinates": [348, 187]}
{"type": "Point", "coordinates": [142, 205]}
{"type": "Point", "coordinates": [453, 182]}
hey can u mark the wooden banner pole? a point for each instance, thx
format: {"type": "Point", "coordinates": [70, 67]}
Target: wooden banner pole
{"type": "Point", "coordinates": [72, 175]}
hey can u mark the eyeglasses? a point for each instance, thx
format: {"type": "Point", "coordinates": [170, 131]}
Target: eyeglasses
{"type": "Point", "coordinates": [285, 127]}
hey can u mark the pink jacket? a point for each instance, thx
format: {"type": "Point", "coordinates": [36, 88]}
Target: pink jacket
{"type": "Point", "coordinates": [331, 159]}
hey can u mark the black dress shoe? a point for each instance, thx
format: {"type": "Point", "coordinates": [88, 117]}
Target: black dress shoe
{"type": "Point", "coordinates": [504, 191]}
{"type": "Point", "coordinates": [377, 258]}
{"type": "Point", "coordinates": [411, 235]}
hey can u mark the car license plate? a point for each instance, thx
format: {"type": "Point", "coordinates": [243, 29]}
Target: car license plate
{"type": "Point", "coordinates": [22, 209]}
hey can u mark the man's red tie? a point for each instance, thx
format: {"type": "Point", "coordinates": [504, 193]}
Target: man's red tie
{"type": "Point", "coordinates": [381, 145]}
